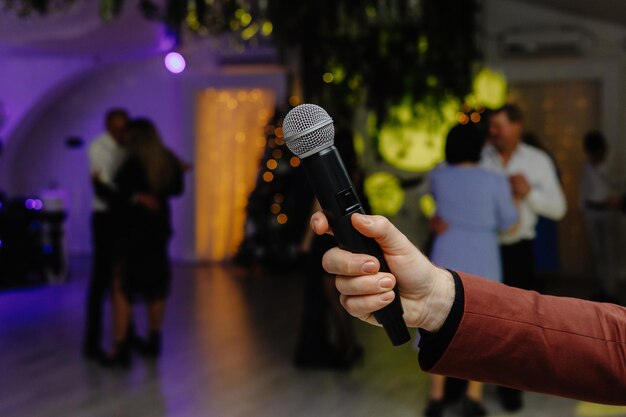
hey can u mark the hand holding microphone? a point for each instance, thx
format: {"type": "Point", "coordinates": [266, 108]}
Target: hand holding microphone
{"type": "Point", "coordinates": [427, 292]}
{"type": "Point", "coordinates": [309, 133]}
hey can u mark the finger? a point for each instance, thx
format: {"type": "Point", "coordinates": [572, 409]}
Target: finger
{"type": "Point", "coordinates": [365, 284]}
{"type": "Point", "coordinates": [340, 262]}
{"type": "Point", "coordinates": [390, 239]}
{"type": "Point", "coordinates": [363, 306]}
{"type": "Point", "coordinates": [319, 223]}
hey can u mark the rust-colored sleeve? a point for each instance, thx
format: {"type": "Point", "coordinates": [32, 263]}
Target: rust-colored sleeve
{"type": "Point", "coordinates": [521, 339]}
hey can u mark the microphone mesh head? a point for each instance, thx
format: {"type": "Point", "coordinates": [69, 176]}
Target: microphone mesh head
{"type": "Point", "coordinates": [308, 129]}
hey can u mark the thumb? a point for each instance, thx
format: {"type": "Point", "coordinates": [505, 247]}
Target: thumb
{"type": "Point", "coordinates": [388, 237]}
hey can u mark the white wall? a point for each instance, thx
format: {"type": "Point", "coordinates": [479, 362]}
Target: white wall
{"type": "Point", "coordinates": [37, 156]}
{"type": "Point", "coordinates": [25, 81]}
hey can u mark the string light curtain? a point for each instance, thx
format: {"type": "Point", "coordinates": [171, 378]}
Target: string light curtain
{"type": "Point", "coordinates": [229, 144]}
{"type": "Point", "coordinates": [560, 113]}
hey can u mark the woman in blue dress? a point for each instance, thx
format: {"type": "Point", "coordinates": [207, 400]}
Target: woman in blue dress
{"type": "Point", "coordinates": [477, 205]}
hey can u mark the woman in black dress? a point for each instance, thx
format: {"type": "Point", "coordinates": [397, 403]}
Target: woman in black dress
{"type": "Point", "coordinates": [149, 177]}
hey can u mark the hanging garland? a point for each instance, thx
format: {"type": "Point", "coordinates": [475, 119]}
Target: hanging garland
{"type": "Point", "coordinates": [380, 52]}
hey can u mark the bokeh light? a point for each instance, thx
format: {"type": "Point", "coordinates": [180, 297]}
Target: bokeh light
{"type": "Point", "coordinates": [414, 138]}
{"type": "Point", "coordinates": [489, 89]}
{"type": "Point", "coordinates": [175, 62]}
{"type": "Point", "coordinates": [272, 164]}
{"type": "Point", "coordinates": [294, 161]}
{"type": "Point", "coordinates": [268, 176]}
{"type": "Point", "coordinates": [384, 193]}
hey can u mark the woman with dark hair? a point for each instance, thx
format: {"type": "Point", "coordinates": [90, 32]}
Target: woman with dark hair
{"type": "Point", "coordinates": [477, 205]}
{"type": "Point", "coordinates": [149, 177]}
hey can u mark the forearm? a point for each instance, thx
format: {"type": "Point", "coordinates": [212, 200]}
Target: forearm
{"type": "Point", "coordinates": [550, 205]}
{"type": "Point", "coordinates": [517, 338]}
{"type": "Point", "coordinates": [106, 192]}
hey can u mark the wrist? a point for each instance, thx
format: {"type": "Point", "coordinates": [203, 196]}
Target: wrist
{"type": "Point", "coordinates": [438, 303]}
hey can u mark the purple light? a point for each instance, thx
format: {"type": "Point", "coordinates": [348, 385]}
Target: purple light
{"type": "Point", "coordinates": [33, 204]}
{"type": "Point", "coordinates": [175, 62]}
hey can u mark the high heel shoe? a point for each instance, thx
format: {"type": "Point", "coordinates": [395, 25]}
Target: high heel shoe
{"type": "Point", "coordinates": [473, 408]}
{"type": "Point", "coordinates": [120, 357]}
{"type": "Point", "coordinates": [150, 348]}
{"type": "Point", "coordinates": [434, 408]}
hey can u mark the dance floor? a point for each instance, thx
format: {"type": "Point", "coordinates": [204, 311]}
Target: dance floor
{"type": "Point", "coordinates": [228, 342]}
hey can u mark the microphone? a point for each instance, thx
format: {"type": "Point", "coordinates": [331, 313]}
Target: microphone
{"type": "Point", "coordinates": [309, 133]}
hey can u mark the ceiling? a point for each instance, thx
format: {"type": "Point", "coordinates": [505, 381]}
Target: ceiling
{"type": "Point", "coordinates": [613, 11]}
{"type": "Point", "coordinates": [80, 31]}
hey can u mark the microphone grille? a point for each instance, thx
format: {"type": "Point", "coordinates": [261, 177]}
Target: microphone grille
{"type": "Point", "coordinates": [308, 129]}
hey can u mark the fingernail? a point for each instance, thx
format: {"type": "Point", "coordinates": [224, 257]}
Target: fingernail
{"type": "Point", "coordinates": [386, 296]}
{"type": "Point", "coordinates": [369, 267]}
{"type": "Point", "coordinates": [385, 282]}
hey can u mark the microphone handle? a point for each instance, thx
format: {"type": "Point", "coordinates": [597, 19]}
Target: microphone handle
{"type": "Point", "coordinates": [339, 200]}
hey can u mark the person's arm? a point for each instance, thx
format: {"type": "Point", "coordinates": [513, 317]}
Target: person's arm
{"type": "Point", "coordinates": [517, 338]}
{"type": "Point", "coordinates": [126, 190]}
{"type": "Point", "coordinates": [507, 212]}
{"type": "Point", "coordinates": [486, 331]}
{"type": "Point", "coordinates": [547, 199]}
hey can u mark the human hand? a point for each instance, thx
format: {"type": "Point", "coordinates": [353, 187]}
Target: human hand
{"type": "Point", "coordinates": [148, 201]}
{"type": "Point", "coordinates": [96, 177]}
{"type": "Point", "coordinates": [437, 225]}
{"type": "Point", "coordinates": [519, 186]}
{"type": "Point", "coordinates": [426, 292]}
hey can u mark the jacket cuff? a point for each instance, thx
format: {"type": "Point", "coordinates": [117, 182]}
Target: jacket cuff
{"type": "Point", "coordinates": [434, 345]}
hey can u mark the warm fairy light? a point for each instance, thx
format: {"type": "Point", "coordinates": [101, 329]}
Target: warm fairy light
{"type": "Point", "coordinates": [280, 141]}
{"type": "Point", "coordinates": [294, 101]}
{"type": "Point", "coordinates": [275, 208]}
{"type": "Point", "coordinates": [294, 161]}
{"type": "Point", "coordinates": [271, 164]}
{"type": "Point", "coordinates": [230, 142]}
{"type": "Point", "coordinates": [282, 218]}
{"type": "Point", "coordinates": [268, 176]}
{"type": "Point", "coordinates": [475, 117]}
{"type": "Point", "coordinates": [462, 118]}
{"type": "Point", "coordinates": [279, 198]}
{"type": "Point", "coordinates": [271, 143]}
{"type": "Point", "coordinates": [278, 132]}
{"type": "Point", "coordinates": [277, 154]}
{"type": "Point", "coordinates": [328, 77]}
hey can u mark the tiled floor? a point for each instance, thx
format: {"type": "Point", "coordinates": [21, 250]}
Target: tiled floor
{"type": "Point", "coordinates": [228, 342]}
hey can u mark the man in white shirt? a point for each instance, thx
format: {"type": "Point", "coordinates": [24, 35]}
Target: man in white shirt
{"type": "Point", "coordinates": [106, 154]}
{"type": "Point", "coordinates": [598, 201]}
{"type": "Point", "coordinates": [535, 184]}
